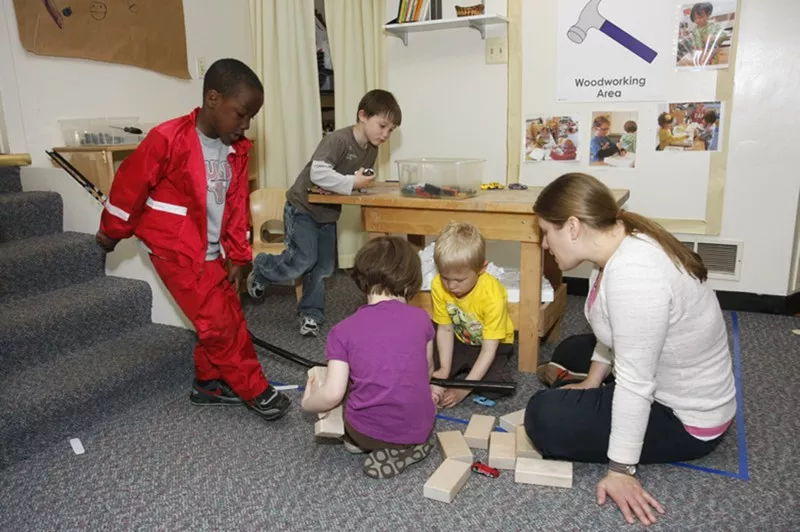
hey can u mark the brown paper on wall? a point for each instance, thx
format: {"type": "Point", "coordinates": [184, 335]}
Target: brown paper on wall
{"type": "Point", "coordinates": [142, 33]}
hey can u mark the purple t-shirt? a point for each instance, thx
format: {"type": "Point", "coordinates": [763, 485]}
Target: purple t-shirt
{"type": "Point", "coordinates": [390, 395]}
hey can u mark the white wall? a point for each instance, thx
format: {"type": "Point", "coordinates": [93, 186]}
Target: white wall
{"type": "Point", "coordinates": [38, 91]}
{"type": "Point", "coordinates": [455, 105]}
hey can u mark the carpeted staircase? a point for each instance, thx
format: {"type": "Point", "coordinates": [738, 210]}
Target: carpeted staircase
{"type": "Point", "coordinates": [76, 347]}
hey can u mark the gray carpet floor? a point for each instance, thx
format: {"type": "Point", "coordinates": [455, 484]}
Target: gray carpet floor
{"type": "Point", "coordinates": [157, 463]}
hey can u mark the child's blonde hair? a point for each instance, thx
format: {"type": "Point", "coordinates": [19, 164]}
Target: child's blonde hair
{"type": "Point", "coordinates": [460, 245]}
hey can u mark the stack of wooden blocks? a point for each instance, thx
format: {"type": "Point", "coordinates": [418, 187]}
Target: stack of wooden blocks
{"type": "Point", "coordinates": [510, 450]}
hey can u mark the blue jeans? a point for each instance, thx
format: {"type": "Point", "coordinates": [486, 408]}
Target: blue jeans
{"type": "Point", "coordinates": [310, 252]}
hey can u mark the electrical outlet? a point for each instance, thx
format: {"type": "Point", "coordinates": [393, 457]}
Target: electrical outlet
{"type": "Point", "coordinates": [496, 51]}
{"type": "Point", "coordinates": [201, 67]}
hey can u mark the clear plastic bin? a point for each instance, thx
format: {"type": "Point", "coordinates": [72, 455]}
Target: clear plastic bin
{"type": "Point", "coordinates": [440, 177]}
{"type": "Point", "coordinates": [101, 131]}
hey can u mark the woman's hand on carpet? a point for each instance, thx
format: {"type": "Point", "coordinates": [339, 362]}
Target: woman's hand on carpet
{"type": "Point", "coordinates": [630, 497]}
{"type": "Point", "coordinates": [452, 396]}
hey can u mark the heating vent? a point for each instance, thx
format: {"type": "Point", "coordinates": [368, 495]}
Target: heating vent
{"type": "Point", "coordinates": [722, 259]}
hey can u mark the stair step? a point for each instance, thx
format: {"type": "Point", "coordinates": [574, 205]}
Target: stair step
{"type": "Point", "coordinates": [45, 263]}
{"type": "Point", "coordinates": [29, 214]}
{"type": "Point", "coordinates": [9, 179]}
{"type": "Point", "coordinates": [68, 394]}
{"type": "Point", "coordinates": [40, 327]}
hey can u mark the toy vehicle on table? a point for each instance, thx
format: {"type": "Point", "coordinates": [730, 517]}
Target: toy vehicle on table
{"type": "Point", "coordinates": [494, 185]}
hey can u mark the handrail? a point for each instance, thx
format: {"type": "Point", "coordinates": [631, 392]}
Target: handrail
{"type": "Point", "coordinates": [15, 159]}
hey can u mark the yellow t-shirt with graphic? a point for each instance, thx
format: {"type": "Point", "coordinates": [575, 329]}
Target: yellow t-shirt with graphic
{"type": "Point", "coordinates": [480, 315]}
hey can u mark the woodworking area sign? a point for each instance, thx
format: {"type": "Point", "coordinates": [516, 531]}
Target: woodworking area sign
{"type": "Point", "coordinates": [141, 33]}
{"type": "Point", "coordinates": [613, 50]}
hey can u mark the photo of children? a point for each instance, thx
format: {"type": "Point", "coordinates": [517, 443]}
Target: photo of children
{"type": "Point", "coordinates": [689, 126]}
{"type": "Point", "coordinates": [613, 141]}
{"type": "Point", "coordinates": [552, 138]}
{"type": "Point", "coordinates": [705, 33]}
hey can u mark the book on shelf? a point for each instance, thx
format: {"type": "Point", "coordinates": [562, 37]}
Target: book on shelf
{"type": "Point", "coordinates": [416, 11]}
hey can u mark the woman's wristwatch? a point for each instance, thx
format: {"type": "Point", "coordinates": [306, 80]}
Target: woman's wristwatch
{"type": "Point", "coordinates": [625, 469]}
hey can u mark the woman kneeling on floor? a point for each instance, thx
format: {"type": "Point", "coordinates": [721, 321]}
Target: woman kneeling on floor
{"type": "Point", "coordinates": [381, 358]}
{"type": "Point", "coordinates": [660, 384]}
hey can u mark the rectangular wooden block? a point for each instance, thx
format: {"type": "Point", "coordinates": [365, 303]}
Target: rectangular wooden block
{"type": "Point", "coordinates": [502, 450]}
{"type": "Point", "coordinates": [447, 481]}
{"type": "Point", "coordinates": [511, 421]}
{"type": "Point", "coordinates": [454, 446]}
{"type": "Point", "coordinates": [525, 448]}
{"type": "Point", "coordinates": [543, 472]}
{"type": "Point", "coordinates": [478, 431]}
{"type": "Point", "coordinates": [331, 424]}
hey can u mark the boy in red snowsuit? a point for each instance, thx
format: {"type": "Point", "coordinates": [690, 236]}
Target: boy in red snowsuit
{"type": "Point", "coordinates": [184, 194]}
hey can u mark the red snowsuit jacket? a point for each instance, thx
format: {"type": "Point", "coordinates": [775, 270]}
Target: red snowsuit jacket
{"type": "Point", "coordinates": [159, 194]}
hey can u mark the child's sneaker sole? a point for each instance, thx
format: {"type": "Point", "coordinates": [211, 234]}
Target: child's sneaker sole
{"type": "Point", "coordinates": [554, 375]}
{"type": "Point", "coordinates": [218, 397]}
{"type": "Point", "coordinates": [388, 463]}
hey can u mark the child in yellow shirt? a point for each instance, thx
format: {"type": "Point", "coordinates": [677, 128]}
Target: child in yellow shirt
{"type": "Point", "coordinates": [474, 336]}
{"type": "Point", "coordinates": [665, 136]}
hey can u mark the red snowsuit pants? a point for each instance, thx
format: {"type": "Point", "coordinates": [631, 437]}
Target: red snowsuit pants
{"type": "Point", "coordinates": [224, 349]}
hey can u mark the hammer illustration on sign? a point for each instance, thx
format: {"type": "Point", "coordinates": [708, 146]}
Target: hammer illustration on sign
{"type": "Point", "coordinates": [590, 18]}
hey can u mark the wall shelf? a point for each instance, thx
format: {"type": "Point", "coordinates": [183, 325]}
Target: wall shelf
{"type": "Point", "coordinates": [478, 22]}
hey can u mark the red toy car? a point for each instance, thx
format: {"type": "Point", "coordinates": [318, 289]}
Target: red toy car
{"type": "Point", "coordinates": [483, 469]}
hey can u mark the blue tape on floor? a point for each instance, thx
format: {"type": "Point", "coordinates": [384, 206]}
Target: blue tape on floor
{"type": "Point", "coordinates": [744, 469]}
{"type": "Point", "coordinates": [463, 421]}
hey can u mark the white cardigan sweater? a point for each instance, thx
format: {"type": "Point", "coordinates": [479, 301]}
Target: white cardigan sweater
{"type": "Point", "coordinates": [664, 334]}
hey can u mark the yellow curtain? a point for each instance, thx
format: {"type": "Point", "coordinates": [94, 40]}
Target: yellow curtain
{"type": "Point", "coordinates": [355, 33]}
{"type": "Point", "coordinates": [289, 126]}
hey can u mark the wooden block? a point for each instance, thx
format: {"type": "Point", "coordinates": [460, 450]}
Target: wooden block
{"type": "Point", "coordinates": [543, 472]}
{"type": "Point", "coordinates": [447, 481]}
{"type": "Point", "coordinates": [331, 424]}
{"type": "Point", "coordinates": [454, 446]}
{"type": "Point", "coordinates": [525, 448]}
{"type": "Point", "coordinates": [478, 431]}
{"type": "Point", "coordinates": [511, 421]}
{"type": "Point", "coordinates": [503, 450]}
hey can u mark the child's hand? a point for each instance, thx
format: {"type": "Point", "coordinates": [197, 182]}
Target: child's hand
{"type": "Point", "coordinates": [436, 394]}
{"type": "Point", "coordinates": [307, 392]}
{"type": "Point", "coordinates": [236, 274]}
{"type": "Point", "coordinates": [106, 242]}
{"type": "Point", "coordinates": [453, 396]}
{"type": "Point", "coordinates": [361, 180]}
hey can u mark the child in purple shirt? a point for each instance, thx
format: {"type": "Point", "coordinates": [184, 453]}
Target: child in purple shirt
{"type": "Point", "coordinates": [381, 359]}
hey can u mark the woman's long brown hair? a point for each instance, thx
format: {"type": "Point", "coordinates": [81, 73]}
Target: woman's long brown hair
{"type": "Point", "coordinates": [591, 202]}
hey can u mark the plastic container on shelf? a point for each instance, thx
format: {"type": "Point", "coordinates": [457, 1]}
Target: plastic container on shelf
{"type": "Point", "coordinates": [101, 131]}
{"type": "Point", "coordinates": [440, 177]}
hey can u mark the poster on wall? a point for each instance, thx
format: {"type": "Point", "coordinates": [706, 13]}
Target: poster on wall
{"type": "Point", "coordinates": [149, 35]}
{"type": "Point", "coordinates": [551, 138]}
{"type": "Point", "coordinates": [689, 126]}
{"type": "Point", "coordinates": [613, 139]}
{"type": "Point", "coordinates": [614, 50]}
{"type": "Point", "coordinates": [705, 34]}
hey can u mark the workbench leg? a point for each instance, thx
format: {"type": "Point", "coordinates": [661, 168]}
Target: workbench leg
{"type": "Point", "coordinates": [530, 304]}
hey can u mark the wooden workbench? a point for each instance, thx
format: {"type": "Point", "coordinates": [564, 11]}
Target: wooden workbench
{"type": "Point", "coordinates": [500, 215]}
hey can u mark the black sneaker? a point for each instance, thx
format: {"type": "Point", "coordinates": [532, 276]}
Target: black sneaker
{"type": "Point", "coordinates": [271, 404]}
{"type": "Point", "coordinates": [213, 393]}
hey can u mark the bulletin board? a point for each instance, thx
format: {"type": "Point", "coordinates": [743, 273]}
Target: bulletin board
{"type": "Point", "coordinates": [623, 64]}
{"type": "Point", "coordinates": [149, 35]}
